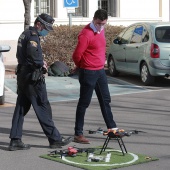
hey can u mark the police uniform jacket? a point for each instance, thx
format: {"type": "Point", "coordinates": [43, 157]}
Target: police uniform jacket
{"type": "Point", "coordinates": [29, 51]}
{"type": "Point", "coordinates": [29, 55]}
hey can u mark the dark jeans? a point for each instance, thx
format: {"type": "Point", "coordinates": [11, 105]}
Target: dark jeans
{"type": "Point", "coordinates": [90, 80]}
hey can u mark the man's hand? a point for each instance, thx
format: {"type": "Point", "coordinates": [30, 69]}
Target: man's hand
{"type": "Point", "coordinates": [74, 70]}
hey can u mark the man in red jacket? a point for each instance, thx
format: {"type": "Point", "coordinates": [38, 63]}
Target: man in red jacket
{"type": "Point", "coordinates": [89, 58]}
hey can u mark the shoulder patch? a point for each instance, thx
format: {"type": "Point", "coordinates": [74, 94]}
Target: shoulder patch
{"type": "Point", "coordinates": [33, 43]}
{"type": "Point", "coordinates": [33, 33]}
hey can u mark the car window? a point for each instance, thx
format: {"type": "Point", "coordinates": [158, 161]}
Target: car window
{"type": "Point", "coordinates": [137, 35]}
{"type": "Point", "coordinates": [162, 34]}
{"type": "Point", "coordinates": [119, 36]}
{"type": "Point", "coordinates": [127, 35]}
{"type": "Point", "coordinates": [145, 35]}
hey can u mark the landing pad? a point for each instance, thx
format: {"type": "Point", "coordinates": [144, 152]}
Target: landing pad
{"type": "Point", "coordinates": [117, 160]}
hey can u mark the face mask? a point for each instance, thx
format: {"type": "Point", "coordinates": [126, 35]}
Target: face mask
{"type": "Point", "coordinates": [43, 32]}
{"type": "Point", "coordinates": [99, 28]}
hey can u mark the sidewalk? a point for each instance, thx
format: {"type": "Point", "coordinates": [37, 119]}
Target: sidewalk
{"type": "Point", "coordinates": [67, 88]}
{"type": "Point", "coordinates": [9, 70]}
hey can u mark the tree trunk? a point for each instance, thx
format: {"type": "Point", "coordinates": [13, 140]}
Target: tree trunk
{"type": "Point", "coordinates": [27, 15]}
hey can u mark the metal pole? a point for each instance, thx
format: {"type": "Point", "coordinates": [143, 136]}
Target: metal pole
{"type": "Point", "coordinates": [39, 7]}
{"type": "Point", "coordinates": [70, 19]}
{"type": "Point", "coordinates": [169, 9]}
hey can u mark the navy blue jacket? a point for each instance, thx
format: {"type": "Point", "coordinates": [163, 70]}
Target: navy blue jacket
{"type": "Point", "coordinates": [29, 51]}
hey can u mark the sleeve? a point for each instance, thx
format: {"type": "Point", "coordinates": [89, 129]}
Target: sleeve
{"type": "Point", "coordinates": [80, 49]}
{"type": "Point", "coordinates": [34, 52]}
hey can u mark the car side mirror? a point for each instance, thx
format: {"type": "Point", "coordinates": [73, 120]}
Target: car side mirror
{"type": "Point", "coordinates": [4, 48]}
{"type": "Point", "coordinates": [117, 41]}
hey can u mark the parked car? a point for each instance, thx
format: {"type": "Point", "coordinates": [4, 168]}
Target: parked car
{"type": "Point", "coordinates": [3, 48]}
{"type": "Point", "coordinates": [142, 49]}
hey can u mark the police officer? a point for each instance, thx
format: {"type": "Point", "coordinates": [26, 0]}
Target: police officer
{"type": "Point", "coordinates": [32, 88]}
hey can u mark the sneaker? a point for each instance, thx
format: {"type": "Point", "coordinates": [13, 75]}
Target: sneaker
{"type": "Point", "coordinates": [18, 145]}
{"type": "Point", "coordinates": [63, 142]}
{"type": "Point", "coordinates": [81, 139]}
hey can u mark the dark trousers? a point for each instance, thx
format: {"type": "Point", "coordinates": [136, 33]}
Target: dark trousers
{"type": "Point", "coordinates": [35, 95]}
{"type": "Point", "coordinates": [90, 80]}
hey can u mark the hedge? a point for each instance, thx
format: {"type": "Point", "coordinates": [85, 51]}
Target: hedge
{"type": "Point", "coordinates": [59, 44]}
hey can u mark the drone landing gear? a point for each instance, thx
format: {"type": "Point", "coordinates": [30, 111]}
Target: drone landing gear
{"type": "Point", "coordinates": [119, 140]}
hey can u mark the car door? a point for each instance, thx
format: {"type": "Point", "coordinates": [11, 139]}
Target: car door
{"type": "Point", "coordinates": [120, 50]}
{"type": "Point", "coordinates": [135, 50]}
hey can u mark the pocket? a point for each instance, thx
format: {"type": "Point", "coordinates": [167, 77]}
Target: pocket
{"type": "Point", "coordinates": [87, 77]}
{"type": "Point", "coordinates": [41, 92]}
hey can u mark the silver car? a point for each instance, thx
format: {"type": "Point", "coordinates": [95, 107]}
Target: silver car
{"type": "Point", "coordinates": [142, 49]}
{"type": "Point", "coordinates": [3, 48]}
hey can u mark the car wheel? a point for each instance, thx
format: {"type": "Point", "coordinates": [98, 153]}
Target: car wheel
{"type": "Point", "coordinates": [112, 68]}
{"type": "Point", "coordinates": [146, 77]}
{"type": "Point", "coordinates": [2, 98]}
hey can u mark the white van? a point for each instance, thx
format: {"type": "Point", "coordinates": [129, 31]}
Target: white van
{"type": "Point", "coordinates": [3, 48]}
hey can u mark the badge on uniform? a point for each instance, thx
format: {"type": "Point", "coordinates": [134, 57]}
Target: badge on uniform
{"type": "Point", "coordinates": [33, 43]}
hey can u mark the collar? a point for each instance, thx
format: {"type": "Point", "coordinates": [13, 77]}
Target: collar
{"type": "Point", "coordinates": [33, 30]}
{"type": "Point", "coordinates": [93, 27]}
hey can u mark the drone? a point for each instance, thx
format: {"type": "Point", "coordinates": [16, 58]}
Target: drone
{"type": "Point", "coordinates": [71, 151]}
{"type": "Point", "coordinates": [120, 133]}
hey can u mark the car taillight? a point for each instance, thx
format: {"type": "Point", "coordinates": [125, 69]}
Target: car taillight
{"type": "Point", "coordinates": [155, 51]}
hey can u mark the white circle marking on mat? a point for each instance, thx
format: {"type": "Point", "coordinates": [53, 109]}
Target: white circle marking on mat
{"type": "Point", "coordinates": [135, 158]}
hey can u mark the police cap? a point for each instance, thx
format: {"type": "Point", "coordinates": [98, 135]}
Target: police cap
{"type": "Point", "coordinates": [46, 20]}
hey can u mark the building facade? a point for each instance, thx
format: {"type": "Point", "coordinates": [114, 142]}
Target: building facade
{"type": "Point", "coordinates": [121, 12]}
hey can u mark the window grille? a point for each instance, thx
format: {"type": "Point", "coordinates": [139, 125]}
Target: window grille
{"type": "Point", "coordinates": [82, 9]}
{"type": "Point", "coordinates": [48, 6]}
{"type": "Point", "coordinates": [108, 5]}
{"type": "Point", "coordinates": [44, 6]}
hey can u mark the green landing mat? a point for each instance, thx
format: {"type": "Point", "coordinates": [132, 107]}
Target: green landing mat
{"type": "Point", "coordinates": [117, 160]}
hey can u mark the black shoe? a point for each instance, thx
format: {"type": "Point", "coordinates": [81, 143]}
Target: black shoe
{"type": "Point", "coordinates": [18, 145]}
{"type": "Point", "coordinates": [63, 142]}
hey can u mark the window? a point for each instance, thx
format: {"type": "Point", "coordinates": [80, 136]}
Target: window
{"type": "Point", "coordinates": [44, 6]}
{"type": "Point", "coordinates": [137, 35]}
{"type": "Point", "coordinates": [162, 34]}
{"type": "Point", "coordinates": [82, 9]}
{"type": "Point", "coordinates": [48, 6]}
{"type": "Point", "coordinates": [145, 36]}
{"type": "Point", "coordinates": [111, 6]}
{"type": "Point", "coordinates": [127, 35]}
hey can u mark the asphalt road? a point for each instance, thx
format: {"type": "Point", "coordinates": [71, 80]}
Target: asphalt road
{"type": "Point", "coordinates": [145, 109]}
{"type": "Point", "coordinates": [159, 83]}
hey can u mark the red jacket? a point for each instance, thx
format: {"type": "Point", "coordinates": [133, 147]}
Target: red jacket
{"type": "Point", "coordinates": [90, 51]}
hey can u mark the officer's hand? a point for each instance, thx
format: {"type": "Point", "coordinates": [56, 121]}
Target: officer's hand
{"type": "Point", "coordinates": [45, 67]}
{"type": "Point", "coordinates": [45, 64]}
